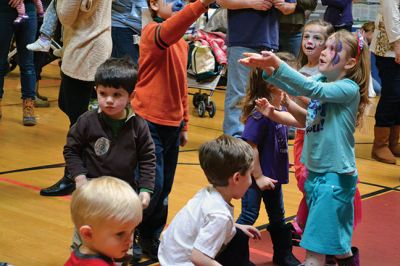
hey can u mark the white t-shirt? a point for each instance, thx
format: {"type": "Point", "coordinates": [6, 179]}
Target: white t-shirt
{"type": "Point", "coordinates": [205, 223]}
{"type": "Point", "coordinates": [309, 71]}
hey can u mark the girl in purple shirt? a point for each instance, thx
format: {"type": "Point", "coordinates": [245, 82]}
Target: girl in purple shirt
{"type": "Point", "coordinates": [271, 166]}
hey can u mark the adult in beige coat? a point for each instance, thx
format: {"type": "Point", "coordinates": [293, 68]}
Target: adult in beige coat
{"type": "Point", "coordinates": [87, 44]}
{"type": "Point", "coordinates": [385, 45]}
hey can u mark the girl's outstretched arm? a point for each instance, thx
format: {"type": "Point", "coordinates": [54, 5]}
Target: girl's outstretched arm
{"type": "Point", "coordinates": [298, 112]}
{"type": "Point", "coordinates": [285, 118]}
{"type": "Point", "coordinates": [267, 61]}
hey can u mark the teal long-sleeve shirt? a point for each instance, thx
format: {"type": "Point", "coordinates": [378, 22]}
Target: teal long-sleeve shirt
{"type": "Point", "coordinates": [331, 118]}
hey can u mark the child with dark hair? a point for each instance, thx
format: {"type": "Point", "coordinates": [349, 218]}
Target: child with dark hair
{"type": "Point", "coordinates": [112, 140]}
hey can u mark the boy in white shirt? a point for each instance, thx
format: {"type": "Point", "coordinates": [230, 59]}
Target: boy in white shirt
{"type": "Point", "coordinates": [203, 232]}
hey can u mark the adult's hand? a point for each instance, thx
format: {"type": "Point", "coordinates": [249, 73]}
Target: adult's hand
{"type": "Point", "coordinates": [262, 5]}
{"type": "Point", "coordinates": [14, 3]}
{"type": "Point", "coordinates": [397, 51]}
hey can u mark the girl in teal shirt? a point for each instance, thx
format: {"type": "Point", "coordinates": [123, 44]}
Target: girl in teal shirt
{"type": "Point", "coordinates": [340, 95]}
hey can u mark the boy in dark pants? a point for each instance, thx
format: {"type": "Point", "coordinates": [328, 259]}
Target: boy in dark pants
{"type": "Point", "coordinates": [112, 140]}
{"type": "Point", "coordinates": [162, 100]}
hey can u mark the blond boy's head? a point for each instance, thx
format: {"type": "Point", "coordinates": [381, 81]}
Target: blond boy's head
{"type": "Point", "coordinates": [105, 212]}
{"type": "Point", "coordinates": [105, 198]}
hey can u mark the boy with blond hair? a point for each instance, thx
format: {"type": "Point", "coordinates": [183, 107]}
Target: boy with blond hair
{"type": "Point", "coordinates": [209, 235]}
{"type": "Point", "coordinates": [105, 212]}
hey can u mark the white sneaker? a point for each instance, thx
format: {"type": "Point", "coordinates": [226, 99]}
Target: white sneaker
{"type": "Point", "coordinates": [58, 52]}
{"type": "Point", "coordinates": [39, 46]}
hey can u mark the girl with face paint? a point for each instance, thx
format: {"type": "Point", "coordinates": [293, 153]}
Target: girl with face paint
{"type": "Point", "coordinates": [315, 34]}
{"type": "Point", "coordinates": [328, 154]}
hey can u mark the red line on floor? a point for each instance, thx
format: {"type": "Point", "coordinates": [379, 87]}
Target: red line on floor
{"type": "Point", "coordinates": [260, 253]}
{"type": "Point", "coordinates": [20, 184]}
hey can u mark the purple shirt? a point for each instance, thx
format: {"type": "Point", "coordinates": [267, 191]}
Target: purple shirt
{"type": "Point", "coordinates": [271, 140]}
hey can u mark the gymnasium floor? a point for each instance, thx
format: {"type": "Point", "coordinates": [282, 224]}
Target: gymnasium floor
{"type": "Point", "coordinates": [37, 230]}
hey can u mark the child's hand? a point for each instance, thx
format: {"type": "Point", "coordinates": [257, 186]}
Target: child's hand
{"type": "Point", "coordinates": [80, 180]}
{"type": "Point", "coordinates": [266, 183]}
{"type": "Point", "coordinates": [183, 138]}
{"type": "Point", "coordinates": [144, 197]}
{"type": "Point", "coordinates": [265, 60]}
{"type": "Point", "coordinates": [397, 51]}
{"type": "Point", "coordinates": [249, 230]}
{"type": "Point", "coordinates": [264, 107]}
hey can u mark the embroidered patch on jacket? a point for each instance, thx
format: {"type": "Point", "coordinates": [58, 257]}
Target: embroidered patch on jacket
{"type": "Point", "coordinates": [101, 146]}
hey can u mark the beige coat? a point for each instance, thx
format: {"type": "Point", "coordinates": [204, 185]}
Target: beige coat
{"type": "Point", "coordinates": [86, 36]}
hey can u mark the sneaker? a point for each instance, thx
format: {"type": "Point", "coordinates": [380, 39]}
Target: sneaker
{"type": "Point", "coordinates": [57, 53]}
{"type": "Point", "coordinates": [20, 19]}
{"type": "Point", "coordinates": [39, 45]}
{"type": "Point", "coordinates": [39, 102]}
{"type": "Point", "coordinates": [150, 248]}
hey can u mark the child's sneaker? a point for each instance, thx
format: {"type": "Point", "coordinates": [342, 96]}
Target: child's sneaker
{"type": "Point", "coordinates": [40, 45]}
{"type": "Point", "coordinates": [20, 19]}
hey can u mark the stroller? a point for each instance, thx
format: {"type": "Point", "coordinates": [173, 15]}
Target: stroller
{"type": "Point", "coordinates": [206, 64]}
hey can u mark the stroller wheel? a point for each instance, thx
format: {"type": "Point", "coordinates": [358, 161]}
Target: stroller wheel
{"type": "Point", "coordinates": [212, 109]}
{"type": "Point", "coordinates": [201, 109]}
{"type": "Point", "coordinates": [196, 99]}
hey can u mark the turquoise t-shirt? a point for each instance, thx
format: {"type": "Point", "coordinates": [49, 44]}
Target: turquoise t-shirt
{"type": "Point", "coordinates": [331, 118]}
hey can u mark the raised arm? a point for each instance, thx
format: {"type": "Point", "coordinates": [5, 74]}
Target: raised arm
{"type": "Point", "coordinates": [296, 84]}
{"type": "Point", "coordinates": [284, 118]}
{"type": "Point", "coordinates": [298, 112]}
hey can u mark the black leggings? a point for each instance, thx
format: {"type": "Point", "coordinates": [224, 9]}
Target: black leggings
{"type": "Point", "coordinates": [74, 96]}
{"type": "Point", "coordinates": [388, 109]}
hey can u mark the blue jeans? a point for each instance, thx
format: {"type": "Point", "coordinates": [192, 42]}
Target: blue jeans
{"type": "Point", "coordinates": [388, 110]}
{"type": "Point", "coordinates": [290, 42]}
{"type": "Point", "coordinates": [166, 141]}
{"type": "Point", "coordinates": [24, 33]}
{"type": "Point", "coordinates": [235, 90]}
{"type": "Point", "coordinates": [122, 39]}
{"type": "Point", "coordinates": [50, 20]}
{"type": "Point", "coordinates": [273, 201]}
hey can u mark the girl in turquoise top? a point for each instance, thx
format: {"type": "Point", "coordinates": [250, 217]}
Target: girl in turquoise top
{"type": "Point", "coordinates": [341, 94]}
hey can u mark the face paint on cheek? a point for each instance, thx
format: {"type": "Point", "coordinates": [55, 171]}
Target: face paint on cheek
{"type": "Point", "coordinates": [177, 5]}
{"type": "Point", "coordinates": [336, 58]}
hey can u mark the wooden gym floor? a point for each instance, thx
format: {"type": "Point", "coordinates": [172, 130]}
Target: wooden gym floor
{"type": "Point", "coordinates": [37, 230]}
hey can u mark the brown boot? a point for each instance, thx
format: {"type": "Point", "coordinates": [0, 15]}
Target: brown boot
{"type": "Point", "coordinates": [380, 149]}
{"type": "Point", "coordinates": [394, 145]}
{"type": "Point", "coordinates": [1, 114]}
{"type": "Point", "coordinates": [28, 117]}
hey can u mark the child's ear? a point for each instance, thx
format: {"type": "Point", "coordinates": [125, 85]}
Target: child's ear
{"type": "Point", "coordinates": [236, 177]}
{"type": "Point", "coordinates": [86, 232]}
{"type": "Point", "coordinates": [351, 62]}
{"type": "Point", "coordinates": [154, 5]}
